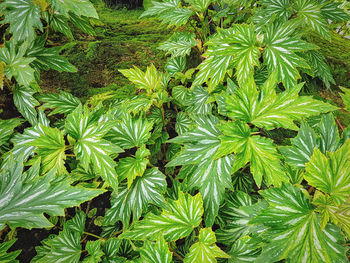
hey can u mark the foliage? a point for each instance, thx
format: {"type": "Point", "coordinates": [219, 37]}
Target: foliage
{"type": "Point", "coordinates": [189, 163]}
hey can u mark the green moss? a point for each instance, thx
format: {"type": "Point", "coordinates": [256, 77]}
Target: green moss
{"type": "Point", "coordinates": [122, 40]}
{"type": "Point", "coordinates": [337, 52]}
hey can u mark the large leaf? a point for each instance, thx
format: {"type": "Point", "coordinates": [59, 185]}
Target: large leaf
{"type": "Point", "coordinates": [7, 127]}
{"type": "Point", "coordinates": [236, 213]}
{"type": "Point", "coordinates": [17, 65]}
{"type": "Point", "coordinates": [339, 215]}
{"type": "Point", "coordinates": [331, 173]}
{"type": "Point", "coordinates": [212, 178]}
{"type": "Point", "coordinates": [90, 147]}
{"type": "Point", "coordinates": [60, 103]}
{"type": "Point", "coordinates": [280, 53]}
{"type": "Point", "coordinates": [243, 251]}
{"type": "Point", "coordinates": [145, 190]}
{"type": "Point", "coordinates": [294, 229]}
{"type": "Point", "coordinates": [259, 151]}
{"type": "Point", "coordinates": [65, 247]}
{"type": "Point", "coordinates": [179, 44]}
{"type": "Point", "coordinates": [26, 103]}
{"type": "Point", "coordinates": [325, 137]}
{"type": "Point", "coordinates": [319, 66]}
{"type": "Point", "coordinates": [156, 252]}
{"type": "Point", "coordinates": [175, 222]}
{"type": "Point", "coordinates": [200, 144]}
{"type": "Point", "coordinates": [130, 132]}
{"type": "Point", "coordinates": [334, 12]}
{"type": "Point", "coordinates": [50, 147]}
{"type": "Point", "coordinates": [346, 97]}
{"type": "Point", "coordinates": [22, 202]}
{"type": "Point", "coordinates": [302, 147]}
{"type": "Point", "coordinates": [23, 16]}
{"type": "Point", "coordinates": [280, 8]}
{"type": "Point", "coordinates": [205, 250]}
{"type": "Point", "coordinates": [269, 110]}
{"type": "Point", "coordinates": [48, 58]}
{"type": "Point", "coordinates": [235, 46]}
{"type": "Point", "coordinates": [78, 7]}
{"type": "Point", "coordinates": [169, 12]}
{"type": "Point", "coordinates": [309, 14]}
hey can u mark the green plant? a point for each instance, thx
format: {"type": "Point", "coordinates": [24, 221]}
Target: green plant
{"type": "Point", "coordinates": [190, 161]}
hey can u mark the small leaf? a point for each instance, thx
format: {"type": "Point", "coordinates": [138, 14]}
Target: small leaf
{"type": "Point", "coordinates": [205, 250]}
{"type": "Point", "coordinates": [331, 173]}
{"type": "Point", "coordinates": [50, 146]}
{"type": "Point", "coordinates": [26, 103]}
{"type": "Point", "coordinates": [179, 44]}
{"type": "Point", "coordinates": [156, 252]}
{"type": "Point", "coordinates": [130, 132]}
{"type": "Point", "coordinates": [130, 167]}
{"type": "Point", "coordinates": [8, 257]}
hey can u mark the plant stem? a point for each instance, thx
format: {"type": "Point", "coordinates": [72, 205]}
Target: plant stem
{"type": "Point", "coordinates": [93, 235]}
{"type": "Point", "coordinates": [177, 255]}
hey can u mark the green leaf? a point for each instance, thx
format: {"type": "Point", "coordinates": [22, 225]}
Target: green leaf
{"type": "Point", "coordinates": [331, 173]}
{"type": "Point", "coordinates": [259, 151]}
{"type": "Point", "coordinates": [7, 127]}
{"type": "Point", "coordinates": [346, 97]}
{"type": "Point", "coordinates": [21, 141]}
{"type": "Point", "coordinates": [80, 8]}
{"type": "Point", "coordinates": [65, 247]}
{"type": "Point", "coordinates": [329, 136]}
{"type": "Point", "coordinates": [130, 132]}
{"type": "Point", "coordinates": [175, 222]}
{"type": "Point", "coordinates": [280, 53]}
{"type": "Point", "coordinates": [82, 23]}
{"type": "Point", "coordinates": [50, 146]}
{"type": "Point", "coordinates": [175, 65]}
{"type": "Point", "coordinates": [199, 104]}
{"type": "Point", "coordinates": [95, 251]}
{"type": "Point", "coordinates": [64, 102]}
{"type": "Point", "coordinates": [90, 147]}
{"type": "Point", "coordinates": [269, 110]}
{"type": "Point", "coordinates": [144, 190]}
{"type": "Point", "coordinates": [17, 65]}
{"type": "Point", "coordinates": [179, 44]}
{"type": "Point", "coordinates": [212, 178]}
{"type": "Point", "coordinates": [205, 250]}
{"type": "Point", "coordinates": [319, 66]}
{"type": "Point", "coordinates": [48, 58]}
{"type": "Point", "coordinates": [236, 212]}
{"type": "Point", "coordinates": [333, 12]}
{"type": "Point", "coordinates": [200, 144]}
{"type": "Point", "coordinates": [233, 47]}
{"type": "Point", "coordinates": [23, 203]}
{"type": "Point", "coordinates": [130, 167]}
{"type": "Point", "coordinates": [59, 23]}
{"type": "Point", "coordinates": [156, 252]}
{"type": "Point", "coordinates": [243, 251]}
{"type": "Point", "coordinates": [150, 80]}
{"type": "Point", "coordinates": [302, 147]}
{"type": "Point", "coordinates": [169, 12]}
{"type": "Point", "coordinates": [8, 257]}
{"type": "Point", "coordinates": [182, 123]}
{"type": "Point", "coordinates": [24, 17]}
{"type": "Point", "coordinates": [199, 5]}
{"type": "Point", "coordinates": [294, 229]}
{"type": "Point", "coordinates": [281, 8]}
{"type": "Point", "coordinates": [26, 103]}
{"type": "Point", "coordinates": [330, 211]}
{"type": "Point", "coordinates": [309, 14]}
